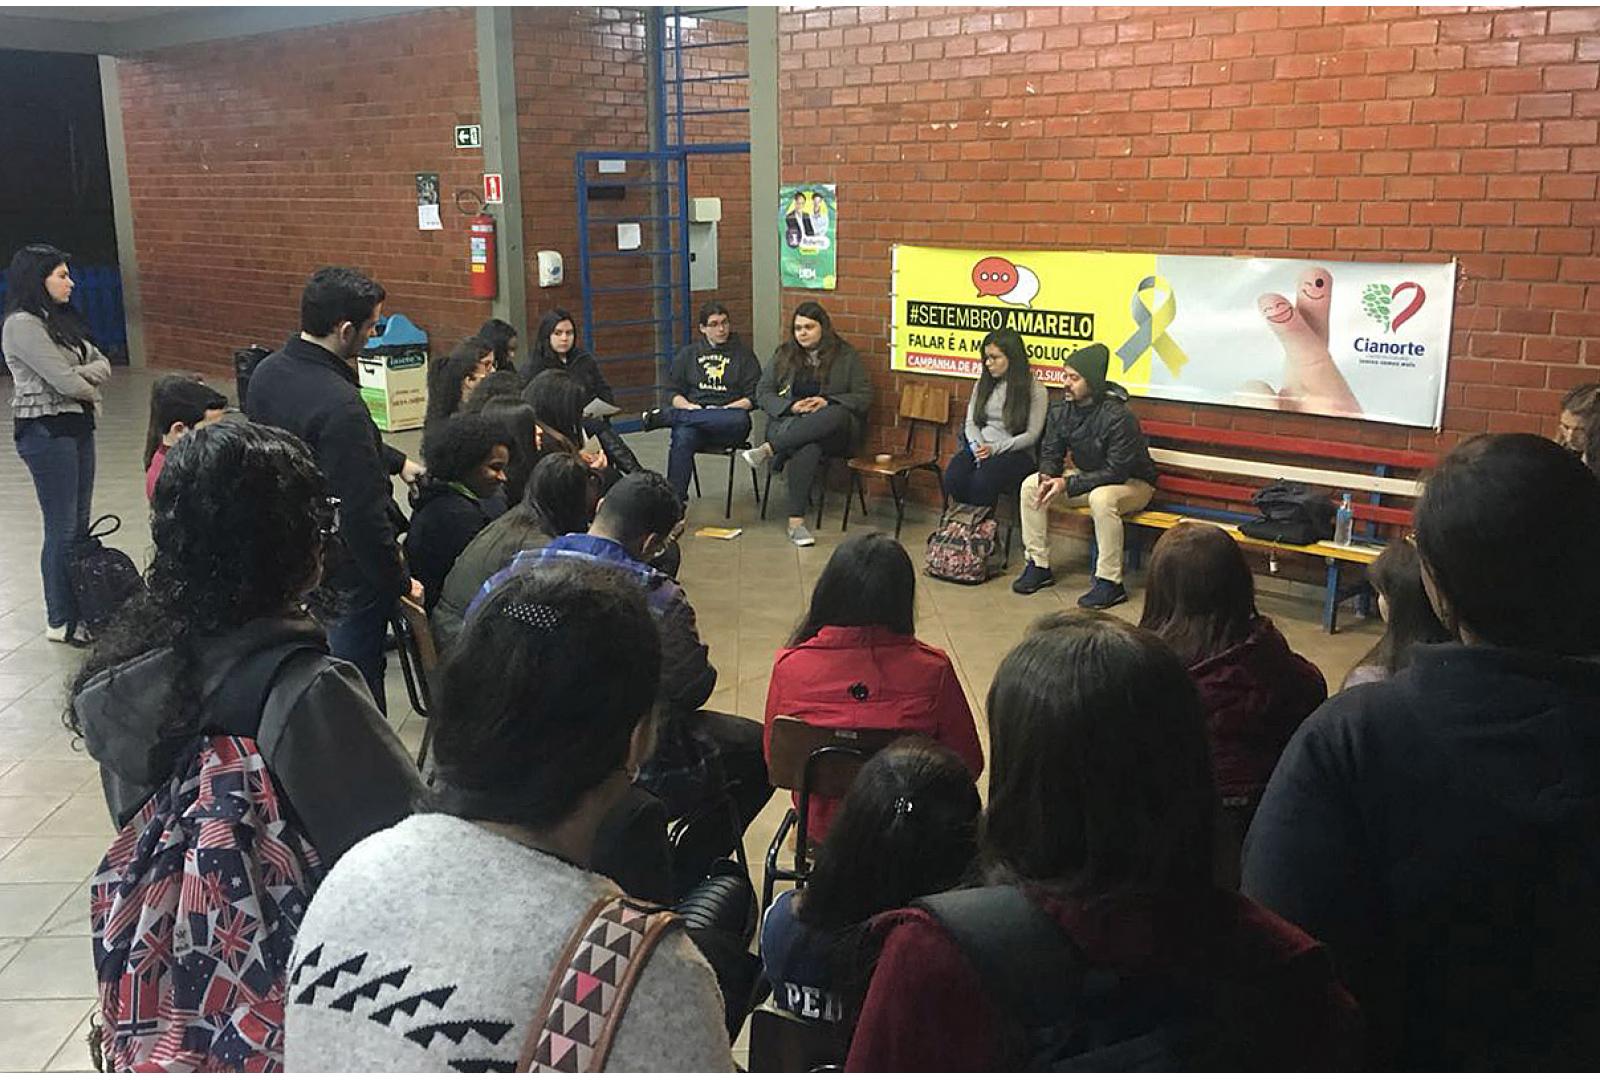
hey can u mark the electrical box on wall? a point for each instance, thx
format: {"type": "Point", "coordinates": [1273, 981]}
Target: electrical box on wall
{"type": "Point", "coordinates": [549, 269]}
{"type": "Point", "coordinates": [702, 253]}
{"type": "Point", "coordinates": [703, 210]}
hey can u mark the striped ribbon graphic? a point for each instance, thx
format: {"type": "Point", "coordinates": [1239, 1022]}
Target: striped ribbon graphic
{"type": "Point", "coordinates": [1151, 333]}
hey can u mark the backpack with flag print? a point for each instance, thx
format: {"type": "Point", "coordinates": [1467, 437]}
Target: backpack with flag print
{"type": "Point", "coordinates": [195, 909]}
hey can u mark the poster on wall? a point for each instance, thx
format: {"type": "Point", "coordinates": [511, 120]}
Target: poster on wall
{"type": "Point", "coordinates": [1365, 340]}
{"type": "Point", "coordinates": [428, 201]}
{"type": "Point", "coordinates": [807, 215]}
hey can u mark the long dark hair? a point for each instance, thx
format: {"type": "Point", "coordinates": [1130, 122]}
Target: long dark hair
{"type": "Point", "coordinates": [790, 355]}
{"type": "Point", "coordinates": [558, 400]}
{"type": "Point", "coordinates": [869, 581]}
{"type": "Point", "coordinates": [1100, 778]}
{"type": "Point", "coordinates": [1474, 536]}
{"type": "Point", "coordinates": [576, 658]}
{"type": "Point", "coordinates": [907, 828]}
{"type": "Point", "coordinates": [237, 521]}
{"type": "Point", "coordinates": [1397, 574]}
{"type": "Point", "coordinates": [1200, 597]}
{"type": "Point", "coordinates": [544, 357]}
{"type": "Point", "coordinates": [177, 399]}
{"type": "Point", "coordinates": [25, 291]}
{"type": "Point", "coordinates": [498, 335]}
{"type": "Point", "coordinates": [1019, 380]}
{"type": "Point", "coordinates": [561, 495]}
{"type": "Point", "coordinates": [447, 375]}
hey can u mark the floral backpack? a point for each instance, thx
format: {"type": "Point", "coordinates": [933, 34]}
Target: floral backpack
{"type": "Point", "coordinates": [961, 548]}
{"type": "Point", "coordinates": [195, 909]}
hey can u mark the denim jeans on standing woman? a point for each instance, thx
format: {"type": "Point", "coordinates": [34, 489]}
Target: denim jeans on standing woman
{"type": "Point", "coordinates": [63, 477]}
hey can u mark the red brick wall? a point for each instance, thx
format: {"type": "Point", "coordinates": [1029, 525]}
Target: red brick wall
{"type": "Point", "coordinates": [254, 161]}
{"type": "Point", "coordinates": [1331, 133]}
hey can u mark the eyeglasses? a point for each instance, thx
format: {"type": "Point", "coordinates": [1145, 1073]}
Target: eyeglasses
{"type": "Point", "coordinates": [328, 516]}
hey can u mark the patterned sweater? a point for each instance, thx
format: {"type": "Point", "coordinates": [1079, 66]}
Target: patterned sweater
{"type": "Point", "coordinates": [429, 946]}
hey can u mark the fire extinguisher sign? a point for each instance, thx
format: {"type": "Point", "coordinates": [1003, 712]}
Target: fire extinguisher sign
{"type": "Point", "coordinates": [492, 194]}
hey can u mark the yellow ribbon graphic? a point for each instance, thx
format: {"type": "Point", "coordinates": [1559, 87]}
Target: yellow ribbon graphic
{"type": "Point", "coordinates": [1151, 334]}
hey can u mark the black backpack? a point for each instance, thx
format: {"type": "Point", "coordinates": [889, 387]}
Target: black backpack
{"type": "Point", "coordinates": [1058, 1014]}
{"type": "Point", "coordinates": [1290, 514]}
{"type": "Point", "coordinates": [102, 578]}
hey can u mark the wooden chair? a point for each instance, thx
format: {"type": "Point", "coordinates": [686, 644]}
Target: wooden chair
{"type": "Point", "coordinates": [812, 761]}
{"type": "Point", "coordinates": [781, 1042]}
{"type": "Point", "coordinates": [419, 659]}
{"type": "Point", "coordinates": [920, 405]}
{"type": "Point", "coordinates": [732, 454]}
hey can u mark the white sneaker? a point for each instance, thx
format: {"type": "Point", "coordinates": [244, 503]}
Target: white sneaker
{"type": "Point", "coordinates": [756, 456]}
{"type": "Point", "coordinates": [800, 536]}
{"type": "Point", "coordinates": [57, 634]}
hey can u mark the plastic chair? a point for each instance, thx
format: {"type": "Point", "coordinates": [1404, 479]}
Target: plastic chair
{"type": "Point", "coordinates": [812, 761]}
{"type": "Point", "coordinates": [920, 405]}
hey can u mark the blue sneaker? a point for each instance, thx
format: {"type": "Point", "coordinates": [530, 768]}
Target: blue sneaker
{"type": "Point", "coordinates": [1103, 594]}
{"type": "Point", "coordinates": [1032, 579]}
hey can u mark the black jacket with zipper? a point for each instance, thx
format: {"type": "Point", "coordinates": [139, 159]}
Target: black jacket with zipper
{"type": "Point", "coordinates": [1104, 437]}
{"type": "Point", "coordinates": [444, 520]}
{"type": "Point", "coordinates": [308, 391]}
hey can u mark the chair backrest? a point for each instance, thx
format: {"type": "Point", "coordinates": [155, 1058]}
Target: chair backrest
{"type": "Point", "coordinates": [421, 634]}
{"type": "Point", "coordinates": [823, 760]}
{"type": "Point", "coordinates": [922, 405]}
{"type": "Point", "coordinates": [781, 1042]}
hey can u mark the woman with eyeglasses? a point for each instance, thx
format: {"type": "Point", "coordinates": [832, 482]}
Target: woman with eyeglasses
{"type": "Point", "coordinates": [220, 642]}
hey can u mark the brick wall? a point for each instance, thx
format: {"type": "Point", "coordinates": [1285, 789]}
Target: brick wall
{"type": "Point", "coordinates": [1316, 133]}
{"type": "Point", "coordinates": [253, 161]}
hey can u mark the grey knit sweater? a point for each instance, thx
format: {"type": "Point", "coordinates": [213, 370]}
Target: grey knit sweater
{"type": "Point", "coordinates": [49, 380]}
{"type": "Point", "coordinates": [429, 946]}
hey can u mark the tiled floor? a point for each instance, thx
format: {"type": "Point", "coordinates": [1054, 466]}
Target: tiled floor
{"type": "Point", "coordinates": [749, 593]}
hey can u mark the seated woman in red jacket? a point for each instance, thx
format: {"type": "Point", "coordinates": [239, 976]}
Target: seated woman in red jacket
{"type": "Point", "coordinates": [1200, 599]}
{"type": "Point", "coordinates": [1097, 848]}
{"type": "Point", "coordinates": [855, 661]}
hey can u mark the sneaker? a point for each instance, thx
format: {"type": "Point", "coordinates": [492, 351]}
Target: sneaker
{"type": "Point", "coordinates": [756, 456]}
{"type": "Point", "coordinates": [650, 420]}
{"type": "Point", "coordinates": [81, 637]}
{"type": "Point", "coordinates": [1032, 579]}
{"type": "Point", "coordinates": [58, 634]}
{"type": "Point", "coordinates": [1103, 594]}
{"type": "Point", "coordinates": [799, 535]}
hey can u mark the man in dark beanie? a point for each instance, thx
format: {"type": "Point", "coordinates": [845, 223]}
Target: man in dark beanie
{"type": "Point", "coordinates": [1112, 475]}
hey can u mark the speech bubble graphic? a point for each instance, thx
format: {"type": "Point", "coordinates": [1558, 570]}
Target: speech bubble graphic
{"type": "Point", "coordinates": [994, 276]}
{"type": "Point", "coordinates": [1027, 288]}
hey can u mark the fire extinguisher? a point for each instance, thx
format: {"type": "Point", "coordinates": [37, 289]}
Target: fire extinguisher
{"type": "Point", "coordinates": [482, 256]}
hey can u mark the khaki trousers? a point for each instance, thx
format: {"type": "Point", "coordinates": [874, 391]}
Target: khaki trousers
{"type": "Point", "coordinates": [1106, 504]}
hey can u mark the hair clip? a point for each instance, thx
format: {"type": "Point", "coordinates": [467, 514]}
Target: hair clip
{"type": "Point", "coordinates": [541, 617]}
{"type": "Point", "coordinates": [903, 805]}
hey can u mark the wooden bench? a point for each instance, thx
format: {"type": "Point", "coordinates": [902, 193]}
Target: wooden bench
{"type": "Point", "coordinates": [1199, 483]}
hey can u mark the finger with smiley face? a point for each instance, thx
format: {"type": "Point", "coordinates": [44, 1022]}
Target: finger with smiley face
{"type": "Point", "coordinates": [1312, 381]}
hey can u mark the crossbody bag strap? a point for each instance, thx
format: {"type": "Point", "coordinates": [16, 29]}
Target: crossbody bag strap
{"type": "Point", "coordinates": [577, 1019]}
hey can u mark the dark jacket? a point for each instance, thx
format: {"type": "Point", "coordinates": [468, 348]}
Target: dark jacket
{"type": "Point", "coordinates": [1104, 438]}
{"type": "Point", "coordinates": [444, 521]}
{"type": "Point", "coordinates": [687, 675]}
{"type": "Point", "coordinates": [714, 375]}
{"type": "Point", "coordinates": [307, 390]}
{"type": "Point", "coordinates": [491, 550]}
{"type": "Point", "coordinates": [847, 385]}
{"type": "Point", "coordinates": [1255, 695]}
{"type": "Point", "coordinates": [581, 365]}
{"type": "Point", "coordinates": [335, 758]}
{"type": "Point", "coordinates": [1440, 831]}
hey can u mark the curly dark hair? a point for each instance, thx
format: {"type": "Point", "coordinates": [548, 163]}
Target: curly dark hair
{"type": "Point", "coordinates": [499, 335]}
{"type": "Point", "coordinates": [460, 444]}
{"type": "Point", "coordinates": [490, 388]}
{"type": "Point", "coordinates": [447, 373]}
{"type": "Point", "coordinates": [237, 521]}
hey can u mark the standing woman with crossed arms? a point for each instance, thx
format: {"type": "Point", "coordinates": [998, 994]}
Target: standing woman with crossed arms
{"type": "Point", "coordinates": [57, 373]}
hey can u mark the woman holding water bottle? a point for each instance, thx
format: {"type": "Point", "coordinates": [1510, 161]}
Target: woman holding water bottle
{"type": "Point", "coordinates": [1005, 418]}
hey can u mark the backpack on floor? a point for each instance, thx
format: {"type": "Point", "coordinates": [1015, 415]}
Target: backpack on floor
{"type": "Point", "coordinates": [1061, 1014]}
{"type": "Point", "coordinates": [195, 908]}
{"type": "Point", "coordinates": [961, 548]}
{"type": "Point", "coordinates": [102, 578]}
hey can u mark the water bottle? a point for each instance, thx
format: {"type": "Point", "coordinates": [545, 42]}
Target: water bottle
{"type": "Point", "coordinates": [1343, 521]}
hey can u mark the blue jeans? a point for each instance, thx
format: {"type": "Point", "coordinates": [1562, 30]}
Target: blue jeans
{"type": "Point", "coordinates": [62, 467]}
{"type": "Point", "coordinates": [358, 638]}
{"type": "Point", "coordinates": [697, 429]}
{"type": "Point", "coordinates": [967, 481]}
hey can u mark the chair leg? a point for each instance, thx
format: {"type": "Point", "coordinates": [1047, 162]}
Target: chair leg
{"type": "Point", "coordinates": [694, 474]}
{"type": "Point", "coordinates": [727, 504]}
{"type": "Point", "coordinates": [855, 480]}
{"type": "Point", "coordinates": [898, 490]}
{"type": "Point", "coordinates": [766, 493]}
{"type": "Point", "coordinates": [755, 485]}
{"type": "Point", "coordinates": [822, 490]}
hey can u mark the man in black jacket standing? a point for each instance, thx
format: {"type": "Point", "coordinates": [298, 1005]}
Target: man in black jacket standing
{"type": "Point", "coordinates": [713, 383]}
{"type": "Point", "coordinates": [310, 388]}
{"type": "Point", "coordinates": [1112, 475]}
